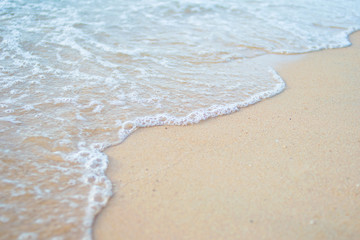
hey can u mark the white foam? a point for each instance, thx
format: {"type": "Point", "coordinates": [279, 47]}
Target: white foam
{"type": "Point", "coordinates": [64, 100]}
{"type": "Point", "coordinates": [76, 80]}
{"type": "Point", "coordinates": [28, 236]}
{"type": "Point", "coordinates": [11, 119]}
{"type": "Point", "coordinates": [4, 219]}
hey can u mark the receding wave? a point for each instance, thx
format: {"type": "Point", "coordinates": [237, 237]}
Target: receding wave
{"type": "Point", "coordinates": [79, 76]}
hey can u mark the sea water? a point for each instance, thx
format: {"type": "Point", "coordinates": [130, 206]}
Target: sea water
{"type": "Point", "coordinates": [79, 76]}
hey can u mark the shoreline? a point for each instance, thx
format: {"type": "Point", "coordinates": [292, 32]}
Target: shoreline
{"type": "Point", "coordinates": [283, 168]}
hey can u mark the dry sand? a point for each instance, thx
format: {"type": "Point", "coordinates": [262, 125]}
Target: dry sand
{"type": "Point", "coordinates": [285, 168]}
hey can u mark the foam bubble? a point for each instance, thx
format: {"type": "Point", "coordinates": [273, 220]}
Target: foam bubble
{"type": "Point", "coordinates": [4, 219]}
{"type": "Point", "coordinates": [28, 236]}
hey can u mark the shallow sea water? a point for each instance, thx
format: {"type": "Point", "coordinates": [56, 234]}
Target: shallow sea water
{"type": "Point", "coordinates": [79, 76]}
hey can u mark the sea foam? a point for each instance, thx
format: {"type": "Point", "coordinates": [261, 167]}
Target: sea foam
{"type": "Point", "coordinates": [79, 76]}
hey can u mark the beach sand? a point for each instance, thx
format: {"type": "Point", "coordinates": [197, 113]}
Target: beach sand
{"type": "Point", "coordinates": [285, 168]}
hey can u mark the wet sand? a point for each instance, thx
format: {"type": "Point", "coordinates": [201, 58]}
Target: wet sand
{"type": "Point", "coordinates": [285, 168]}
